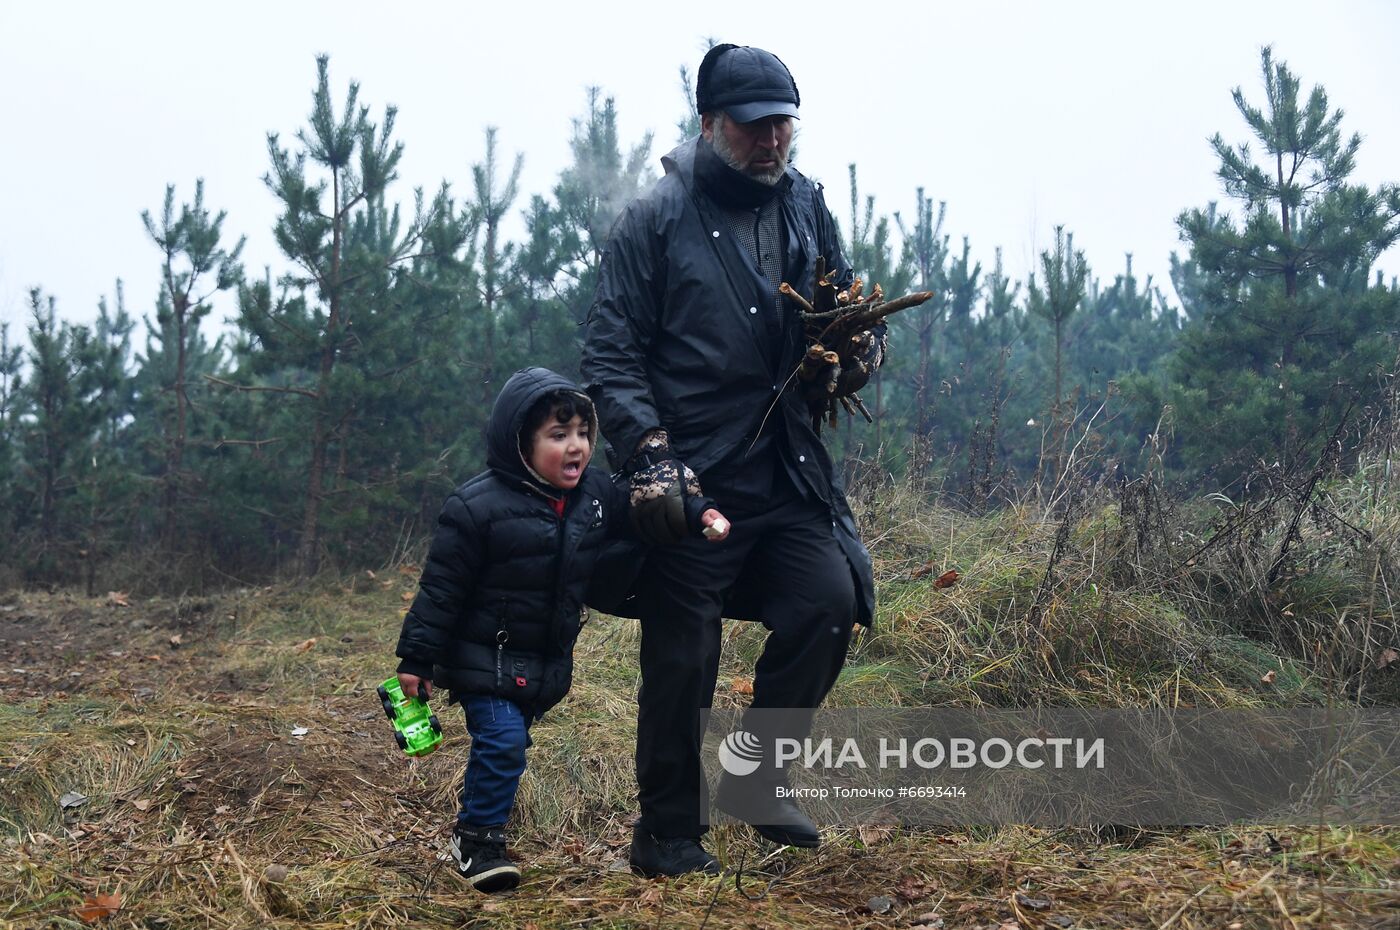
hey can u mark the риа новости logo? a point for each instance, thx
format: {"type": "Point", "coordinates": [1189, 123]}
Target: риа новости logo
{"type": "Point", "coordinates": [740, 753]}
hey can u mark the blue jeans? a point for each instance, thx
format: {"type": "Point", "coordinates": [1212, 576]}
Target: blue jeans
{"type": "Point", "coordinates": [500, 733]}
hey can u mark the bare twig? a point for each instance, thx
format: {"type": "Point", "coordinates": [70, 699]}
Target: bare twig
{"type": "Point", "coordinates": [262, 388]}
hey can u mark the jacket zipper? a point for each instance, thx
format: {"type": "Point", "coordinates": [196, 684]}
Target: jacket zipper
{"type": "Point", "coordinates": [556, 620]}
{"type": "Point", "coordinates": [502, 637]}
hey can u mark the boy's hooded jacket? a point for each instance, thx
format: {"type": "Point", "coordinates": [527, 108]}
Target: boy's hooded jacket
{"type": "Point", "coordinates": [500, 597]}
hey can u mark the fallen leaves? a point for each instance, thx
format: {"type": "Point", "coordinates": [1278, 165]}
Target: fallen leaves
{"type": "Point", "coordinates": [72, 799]}
{"type": "Point", "coordinates": [945, 580]}
{"type": "Point", "coordinates": [305, 645]}
{"type": "Point", "coordinates": [912, 888]}
{"type": "Point", "coordinates": [1269, 677]}
{"type": "Point", "coordinates": [742, 686]}
{"type": "Point", "coordinates": [118, 599]}
{"type": "Point", "coordinates": [99, 907]}
{"type": "Point", "coordinates": [1386, 657]}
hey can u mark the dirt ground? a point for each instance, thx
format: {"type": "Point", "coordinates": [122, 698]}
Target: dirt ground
{"type": "Point", "coordinates": [176, 722]}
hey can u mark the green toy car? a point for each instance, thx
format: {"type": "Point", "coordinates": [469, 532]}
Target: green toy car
{"type": "Point", "coordinates": [416, 728]}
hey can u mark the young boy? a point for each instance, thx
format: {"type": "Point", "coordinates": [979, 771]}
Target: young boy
{"type": "Point", "coordinates": [501, 593]}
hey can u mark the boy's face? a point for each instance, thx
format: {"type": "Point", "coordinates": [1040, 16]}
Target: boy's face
{"type": "Point", "coordinates": [560, 451]}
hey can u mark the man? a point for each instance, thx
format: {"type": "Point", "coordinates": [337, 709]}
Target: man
{"type": "Point", "coordinates": [688, 357]}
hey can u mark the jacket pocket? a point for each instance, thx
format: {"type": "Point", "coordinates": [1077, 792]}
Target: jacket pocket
{"type": "Point", "coordinates": [521, 677]}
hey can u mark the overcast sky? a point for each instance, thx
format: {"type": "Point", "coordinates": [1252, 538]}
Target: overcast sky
{"type": "Point", "coordinates": [1021, 116]}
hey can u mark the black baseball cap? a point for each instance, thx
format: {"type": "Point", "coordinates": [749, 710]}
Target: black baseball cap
{"type": "Point", "coordinates": [745, 82]}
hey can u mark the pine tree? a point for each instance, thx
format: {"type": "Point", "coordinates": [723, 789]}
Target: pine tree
{"type": "Point", "coordinates": [1126, 327]}
{"type": "Point", "coordinates": [963, 280]}
{"type": "Point", "coordinates": [494, 197]}
{"type": "Point", "coordinates": [998, 337]}
{"type": "Point", "coordinates": [340, 305]}
{"type": "Point", "coordinates": [111, 374]}
{"type": "Point", "coordinates": [194, 267]}
{"type": "Point", "coordinates": [926, 252]}
{"type": "Point", "coordinates": [1065, 274]}
{"type": "Point", "coordinates": [65, 418]}
{"type": "Point", "coordinates": [1003, 319]}
{"type": "Point", "coordinates": [107, 481]}
{"type": "Point", "coordinates": [591, 194]}
{"type": "Point", "coordinates": [539, 319]}
{"type": "Point", "coordinates": [13, 408]}
{"type": "Point", "coordinates": [961, 366]}
{"type": "Point", "coordinates": [1290, 329]}
{"type": "Point", "coordinates": [869, 249]}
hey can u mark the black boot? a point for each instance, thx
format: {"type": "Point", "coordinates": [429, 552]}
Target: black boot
{"type": "Point", "coordinates": [654, 856]}
{"type": "Point", "coordinates": [480, 854]}
{"type": "Point", "coordinates": [761, 803]}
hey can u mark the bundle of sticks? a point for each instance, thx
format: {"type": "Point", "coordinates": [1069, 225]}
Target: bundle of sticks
{"type": "Point", "coordinates": [842, 350]}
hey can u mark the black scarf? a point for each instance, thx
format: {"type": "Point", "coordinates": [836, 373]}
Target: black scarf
{"type": "Point", "coordinates": [730, 187]}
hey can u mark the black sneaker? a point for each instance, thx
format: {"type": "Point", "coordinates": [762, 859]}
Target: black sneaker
{"type": "Point", "coordinates": [480, 854]}
{"type": "Point", "coordinates": [656, 856]}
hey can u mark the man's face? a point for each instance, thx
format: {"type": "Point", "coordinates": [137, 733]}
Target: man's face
{"type": "Point", "coordinates": [758, 149]}
{"type": "Point", "coordinates": [560, 451]}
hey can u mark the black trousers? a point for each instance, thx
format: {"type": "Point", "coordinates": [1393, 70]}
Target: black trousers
{"type": "Point", "coordinates": [808, 606]}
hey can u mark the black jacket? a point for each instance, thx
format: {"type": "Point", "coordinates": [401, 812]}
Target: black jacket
{"type": "Point", "coordinates": [672, 342]}
{"type": "Point", "coordinates": [500, 597]}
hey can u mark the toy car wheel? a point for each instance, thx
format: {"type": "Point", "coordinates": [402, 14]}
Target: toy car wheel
{"type": "Point", "coordinates": [401, 740]}
{"type": "Point", "coordinates": [383, 693]}
{"type": "Point", "coordinates": [433, 722]}
{"type": "Point", "coordinates": [389, 708]}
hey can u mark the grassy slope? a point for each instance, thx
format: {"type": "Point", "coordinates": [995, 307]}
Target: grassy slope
{"type": "Point", "coordinates": [174, 718]}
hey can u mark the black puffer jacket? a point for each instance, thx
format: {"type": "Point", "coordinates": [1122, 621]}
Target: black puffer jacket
{"type": "Point", "coordinates": [675, 339]}
{"type": "Point", "coordinates": [500, 597]}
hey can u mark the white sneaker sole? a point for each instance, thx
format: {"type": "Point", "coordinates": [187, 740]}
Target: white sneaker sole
{"type": "Point", "coordinates": [498, 879]}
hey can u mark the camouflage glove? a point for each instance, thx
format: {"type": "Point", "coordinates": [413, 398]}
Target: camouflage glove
{"type": "Point", "coordinates": [827, 373]}
{"type": "Point", "coordinates": [658, 487]}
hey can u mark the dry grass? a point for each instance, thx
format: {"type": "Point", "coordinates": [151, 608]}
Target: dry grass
{"type": "Point", "coordinates": [174, 718]}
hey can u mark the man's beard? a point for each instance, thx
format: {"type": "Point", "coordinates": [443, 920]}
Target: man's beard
{"type": "Point", "coordinates": [769, 176]}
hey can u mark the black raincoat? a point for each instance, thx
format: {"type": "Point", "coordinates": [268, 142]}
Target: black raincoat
{"type": "Point", "coordinates": [676, 338]}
